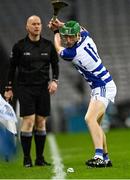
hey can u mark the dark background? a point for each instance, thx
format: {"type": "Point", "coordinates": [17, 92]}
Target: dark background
{"type": "Point", "coordinates": [109, 25]}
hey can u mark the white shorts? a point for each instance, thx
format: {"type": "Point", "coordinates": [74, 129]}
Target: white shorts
{"type": "Point", "coordinates": [105, 93]}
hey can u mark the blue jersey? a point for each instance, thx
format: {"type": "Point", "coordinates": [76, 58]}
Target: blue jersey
{"type": "Point", "coordinates": [84, 56]}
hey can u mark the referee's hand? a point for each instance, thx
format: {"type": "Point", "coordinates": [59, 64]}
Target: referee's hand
{"type": "Point", "coordinates": [52, 87]}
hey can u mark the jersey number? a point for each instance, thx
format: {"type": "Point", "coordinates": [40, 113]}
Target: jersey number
{"type": "Point", "coordinates": [90, 50]}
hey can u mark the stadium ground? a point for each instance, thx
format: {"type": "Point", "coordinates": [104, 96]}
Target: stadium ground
{"type": "Point", "coordinates": [71, 151]}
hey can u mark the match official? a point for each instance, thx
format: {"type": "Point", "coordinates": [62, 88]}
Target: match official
{"type": "Point", "coordinates": [33, 57]}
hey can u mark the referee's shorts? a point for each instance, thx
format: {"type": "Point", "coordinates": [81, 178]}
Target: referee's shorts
{"type": "Point", "coordinates": [34, 100]}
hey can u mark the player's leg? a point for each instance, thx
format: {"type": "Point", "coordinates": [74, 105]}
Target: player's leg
{"type": "Point", "coordinates": [105, 148]}
{"type": "Point", "coordinates": [104, 136]}
{"type": "Point", "coordinates": [100, 99]}
{"type": "Point", "coordinates": [96, 109]}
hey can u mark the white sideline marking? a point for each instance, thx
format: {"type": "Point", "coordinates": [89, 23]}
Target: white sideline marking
{"type": "Point", "coordinates": [57, 161]}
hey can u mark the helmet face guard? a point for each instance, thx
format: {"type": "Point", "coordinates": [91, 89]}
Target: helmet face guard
{"type": "Point", "coordinates": [70, 28]}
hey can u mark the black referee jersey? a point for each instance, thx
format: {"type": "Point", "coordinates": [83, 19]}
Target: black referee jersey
{"type": "Point", "coordinates": [33, 60]}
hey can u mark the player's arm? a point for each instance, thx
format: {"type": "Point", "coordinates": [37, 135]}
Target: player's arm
{"type": "Point", "coordinates": [57, 41]}
{"type": "Point", "coordinates": [54, 26]}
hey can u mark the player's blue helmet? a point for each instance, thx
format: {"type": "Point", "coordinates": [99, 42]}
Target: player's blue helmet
{"type": "Point", "coordinates": [70, 28]}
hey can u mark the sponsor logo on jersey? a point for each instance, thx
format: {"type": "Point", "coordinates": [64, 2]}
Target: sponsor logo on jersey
{"type": "Point", "coordinates": [26, 53]}
{"type": "Point", "coordinates": [44, 54]}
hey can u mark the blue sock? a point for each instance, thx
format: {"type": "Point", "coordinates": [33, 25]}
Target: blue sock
{"type": "Point", "coordinates": [99, 153]}
{"type": "Point", "coordinates": [105, 156]}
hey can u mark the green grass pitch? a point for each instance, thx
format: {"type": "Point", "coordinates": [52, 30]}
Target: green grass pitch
{"type": "Point", "coordinates": [74, 150]}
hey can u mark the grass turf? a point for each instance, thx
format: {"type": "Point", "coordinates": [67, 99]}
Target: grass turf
{"type": "Point", "coordinates": [74, 150]}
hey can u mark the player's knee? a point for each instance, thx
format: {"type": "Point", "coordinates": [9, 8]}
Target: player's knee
{"type": "Point", "coordinates": [86, 119]}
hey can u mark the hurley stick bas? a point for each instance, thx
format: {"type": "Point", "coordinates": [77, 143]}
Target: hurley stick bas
{"type": "Point", "coordinates": [57, 6]}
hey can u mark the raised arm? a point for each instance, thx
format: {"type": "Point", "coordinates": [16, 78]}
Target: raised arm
{"type": "Point", "coordinates": [54, 26]}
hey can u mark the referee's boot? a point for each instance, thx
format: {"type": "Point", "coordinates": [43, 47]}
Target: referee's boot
{"type": "Point", "coordinates": [40, 161]}
{"type": "Point", "coordinates": [27, 162]}
{"type": "Point", "coordinates": [96, 163]}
